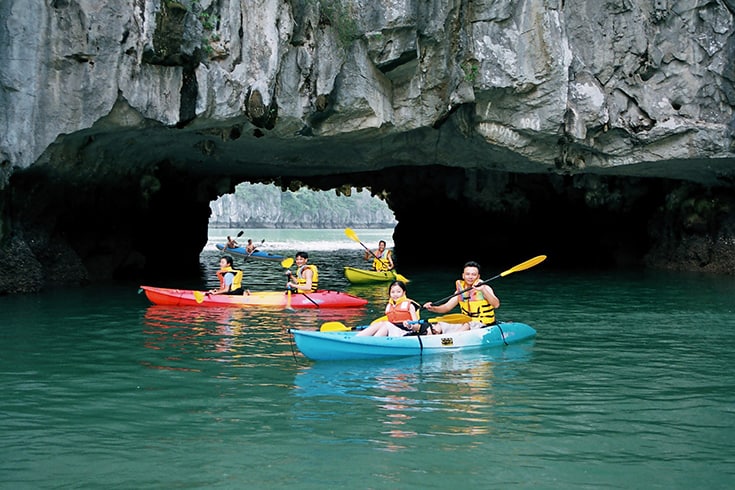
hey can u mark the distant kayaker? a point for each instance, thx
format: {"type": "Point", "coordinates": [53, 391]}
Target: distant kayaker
{"type": "Point", "coordinates": [230, 279]}
{"type": "Point", "coordinates": [250, 248]}
{"type": "Point", "coordinates": [478, 302]}
{"type": "Point", "coordinates": [382, 258]}
{"type": "Point", "coordinates": [399, 312]}
{"type": "Point", "coordinates": [307, 275]}
{"type": "Point", "coordinates": [231, 242]}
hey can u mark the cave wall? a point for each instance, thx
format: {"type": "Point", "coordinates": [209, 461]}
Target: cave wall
{"type": "Point", "coordinates": [564, 127]}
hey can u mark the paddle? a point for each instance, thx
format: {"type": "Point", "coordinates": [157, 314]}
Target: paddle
{"type": "Point", "coordinates": [341, 327]}
{"type": "Point", "coordinates": [520, 267]}
{"type": "Point", "coordinates": [353, 236]}
{"type": "Point", "coordinates": [286, 264]}
{"type": "Point", "coordinates": [239, 234]}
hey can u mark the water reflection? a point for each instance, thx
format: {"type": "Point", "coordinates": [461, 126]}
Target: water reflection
{"type": "Point", "coordinates": [183, 337]}
{"type": "Point", "coordinates": [451, 394]}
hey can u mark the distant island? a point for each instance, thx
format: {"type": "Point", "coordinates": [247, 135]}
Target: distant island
{"type": "Point", "coordinates": [266, 206]}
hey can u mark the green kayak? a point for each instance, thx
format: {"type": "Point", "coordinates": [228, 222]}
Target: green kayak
{"type": "Point", "coordinates": [365, 276]}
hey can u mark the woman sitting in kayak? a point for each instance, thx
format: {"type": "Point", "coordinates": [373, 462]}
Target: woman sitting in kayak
{"type": "Point", "coordinates": [230, 279]}
{"type": "Point", "coordinates": [400, 311]}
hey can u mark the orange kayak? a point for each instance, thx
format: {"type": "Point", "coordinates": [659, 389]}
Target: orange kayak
{"type": "Point", "coordinates": [278, 299]}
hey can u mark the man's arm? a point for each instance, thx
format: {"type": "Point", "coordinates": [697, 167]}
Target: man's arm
{"type": "Point", "coordinates": [446, 307]}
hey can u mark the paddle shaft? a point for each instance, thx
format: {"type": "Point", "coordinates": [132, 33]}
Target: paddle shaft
{"type": "Point", "coordinates": [288, 263]}
{"type": "Point", "coordinates": [305, 296]}
{"type": "Point", "coordinates": [520, 267]}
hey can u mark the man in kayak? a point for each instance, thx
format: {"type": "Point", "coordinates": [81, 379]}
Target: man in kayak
{"type": "Point", "coordinates": [250, 248]}
{"type": "Point", "coordinates": [307, 275]}
{"type": "Point", "coordinates": [478, 301]}
{"type": "Point", "coordinates": [231, 242]}
{"type": "Point", "coordinates": [382, 258]}
{"type": "Point", "coordinates": [230, 280]}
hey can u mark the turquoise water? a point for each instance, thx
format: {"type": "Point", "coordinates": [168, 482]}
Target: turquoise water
{"type": "Point", "coordinates": [629, 384]}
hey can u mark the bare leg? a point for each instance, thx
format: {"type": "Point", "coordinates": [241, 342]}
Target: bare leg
{"type": "Point", "coordinates": [376, 329]}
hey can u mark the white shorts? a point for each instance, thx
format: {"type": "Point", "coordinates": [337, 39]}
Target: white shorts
{"type": "Point", "coordinates": [457, 327]}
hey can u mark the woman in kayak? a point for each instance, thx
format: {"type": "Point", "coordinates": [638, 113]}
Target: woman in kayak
{"type": "Point", "coordinates": [476, 299]}
{"type": "Point", "coordinates": [400, 311]}
{"type": "Point", "coordinates": [382, 258]}
{"type": "Point", "coordinates": [230, 280]}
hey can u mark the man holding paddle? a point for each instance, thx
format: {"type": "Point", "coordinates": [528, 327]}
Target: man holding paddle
{"type": "Point", "coordinates": [475, 298]}
{"type": "Point", "coordinates": [307, 275]}
{"type": "Point", "coordinates": [382, 258]}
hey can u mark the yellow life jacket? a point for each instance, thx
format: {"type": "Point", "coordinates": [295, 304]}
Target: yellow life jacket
{"type": "Point", "coordinates": [300, 279]}
{"type": "Point", "coordinates": [473, 304]}
{"type": "Point", "coordinates": [236, 281]}
{"type": "Point", "coordinates": [382, 265]}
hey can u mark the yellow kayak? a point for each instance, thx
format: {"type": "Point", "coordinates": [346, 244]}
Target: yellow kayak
{"type": "Point", "coordinates": [366, 276]}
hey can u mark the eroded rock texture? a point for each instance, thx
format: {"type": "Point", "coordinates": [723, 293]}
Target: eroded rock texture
{"type": "Point", "coordinates": [503, 128]}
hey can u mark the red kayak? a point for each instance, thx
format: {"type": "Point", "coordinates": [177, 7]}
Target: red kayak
{"type": "Point", "coordinates": [279, 299]}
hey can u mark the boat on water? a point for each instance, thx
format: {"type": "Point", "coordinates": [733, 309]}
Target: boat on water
{"type": "Point", "coordinates": [278, 299]}
{"type": "Point", "coordinates": [367, 276]}
{"type": "Point", "coordinates": [346, 345]}
{"type": "Point", "coordinates": [240, 251]}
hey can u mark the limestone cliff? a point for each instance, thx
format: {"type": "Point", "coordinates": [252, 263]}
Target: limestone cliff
{"type": "Point", "coordinates": [566, 127]}
{"type": "Point", "coordinates": [265, 206]}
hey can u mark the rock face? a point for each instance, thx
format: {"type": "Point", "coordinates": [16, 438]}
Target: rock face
{"type": "Point", "coordinates": [264, 206]}
{"type": "Point", "coordinates": [601, 130]}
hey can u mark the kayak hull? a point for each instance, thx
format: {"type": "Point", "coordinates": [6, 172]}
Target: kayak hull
{"type": "Point", "coordinates": [275, 299]}
{"type": "Point", "coordinates": [364, 276]}
{"type": "Point", "coordinates": [340, 346]}
{"type": "Point", "coordinates": [255, 255]}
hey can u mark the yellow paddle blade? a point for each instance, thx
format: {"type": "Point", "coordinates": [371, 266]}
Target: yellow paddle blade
{"type": "Point", "coordinates": [198, 296]}
{"type": "Point", "coordinates": [351, 235]}
{"type": "Point", "coordinates": [287, 262]}
{"type": "Point", "coordinates": [381, 319]}
{"type": "Point", "coordinates": [525, 265]}
{"type": "Point", "coordinates": [334, 327]}
{"type": "Point", "coordinates": [401, 278]}
{"type": "Point", "coordinates": [451, 318]}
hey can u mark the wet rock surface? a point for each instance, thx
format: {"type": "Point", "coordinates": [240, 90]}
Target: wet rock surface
{"type": "Point", "coordinates": [562, 127]}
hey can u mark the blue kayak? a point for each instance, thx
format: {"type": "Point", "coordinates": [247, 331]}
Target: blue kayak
{"type": "Point", "coordinates": [255, 255]}
{"type": "Point", "coordinates": [337, 346]}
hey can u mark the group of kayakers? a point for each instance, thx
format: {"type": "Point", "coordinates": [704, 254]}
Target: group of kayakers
{"type": "Point", "coordinates": [305, 280]}
{"type": "Point", "coordinates": [232, 244]}
{"type": "Point", "coordinates": [477, 300]}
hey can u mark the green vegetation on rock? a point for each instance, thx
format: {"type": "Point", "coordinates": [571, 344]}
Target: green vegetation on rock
{"type": "Point", "coordinates": [266, 206]}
